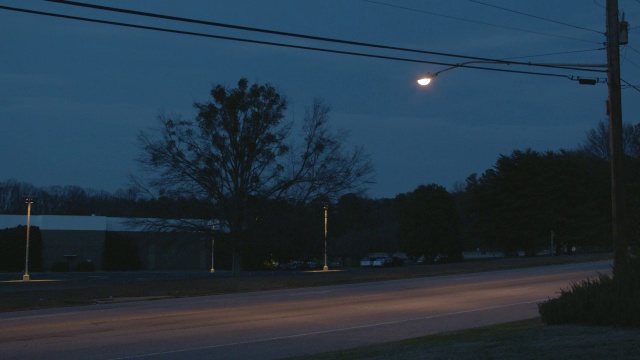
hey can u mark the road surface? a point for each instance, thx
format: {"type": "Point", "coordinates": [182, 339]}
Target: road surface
{"type": "Point", "coordinates": [275, 324]}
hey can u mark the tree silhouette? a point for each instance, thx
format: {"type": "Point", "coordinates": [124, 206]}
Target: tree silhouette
{"type": "Point", "coordinates": [239, 152]}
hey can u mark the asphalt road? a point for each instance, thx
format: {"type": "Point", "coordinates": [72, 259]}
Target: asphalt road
{"type": "Point", "coordinates": [275, 324]}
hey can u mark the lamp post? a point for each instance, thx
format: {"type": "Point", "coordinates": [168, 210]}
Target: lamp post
{"type": "Point", "coordinates": [213, 227]}
{"type": "Point", "coordinates": [326, 209]}
{"type": "Point", "coordinates": [28, 200]}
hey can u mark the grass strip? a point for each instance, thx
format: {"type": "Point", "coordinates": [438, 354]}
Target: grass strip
{"type": "Point", "coordinates": [526, 339]}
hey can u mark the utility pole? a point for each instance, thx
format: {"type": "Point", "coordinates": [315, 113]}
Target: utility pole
{"type": "Point", "coordinates": [615, 133]}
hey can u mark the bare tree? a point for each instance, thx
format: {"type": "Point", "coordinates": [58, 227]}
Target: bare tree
{"type": "Point", "coordinates": [239, 151]}
{"type": "Point", "coordinates": [597, 141]}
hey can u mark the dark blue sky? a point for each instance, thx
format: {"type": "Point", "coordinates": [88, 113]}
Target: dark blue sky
{"type": "Point", "coordinates": [75, 95]}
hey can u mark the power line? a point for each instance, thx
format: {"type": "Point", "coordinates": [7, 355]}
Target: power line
{"type": "Point", "coordinates": [595, 2]}
{"type": "Point", "coordinates": [479, 22]}
{"type": "Point", "coordinates": [220, 37]}
{"type": "Point", "coordinates": [535, 16]}
{"type": "Point", "coordinates": [556, 53]}
{"type": "Point", "coordinates": [303, 36]}
{"type": "Point", "coordinates": [632, 49]}
{"type": "Point", "coordinates": [625, 59]}
{"type": "Point", "coordinates": [630, 85]}
{"type": "Point", "coordinates": [570, 77]}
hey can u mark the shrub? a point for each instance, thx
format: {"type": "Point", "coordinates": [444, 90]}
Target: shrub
{"type": "Point", "coordinates": [60, 267]}
{"type": "Point", "coordinates": [598, 301]}
{"type": "Point", "coordinates": [13, 248]}
{"type": "Point", "coordinates": [120, 253]}
{"type": "Point", "coordinates": [87, 266]}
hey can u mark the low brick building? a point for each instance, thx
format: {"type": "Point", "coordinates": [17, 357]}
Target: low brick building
{"type": "Point", "coordinates": [76, 239]}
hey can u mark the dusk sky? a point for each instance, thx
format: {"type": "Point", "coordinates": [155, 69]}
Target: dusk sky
{"type": "Point", "coordinates": [75, 95]}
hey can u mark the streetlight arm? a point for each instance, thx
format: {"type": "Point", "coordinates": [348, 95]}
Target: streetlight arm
{"type": "Point", "coordinates": [427, 79]}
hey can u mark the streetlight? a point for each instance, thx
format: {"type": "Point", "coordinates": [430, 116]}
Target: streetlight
{"type": "Point", "coordinates": [616, 34]}
{"type": "Point", "coordinates": [28, 200]}
{"type": "Point", "coordinates": [326, 209]}
{"type": "Point", "coordinates": [426, 80]}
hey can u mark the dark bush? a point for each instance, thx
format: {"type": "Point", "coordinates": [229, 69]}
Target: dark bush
{"type": "Point", "coordinates": [60, 267]}
{"type": "Point", "coordinates": [86, 266]}
{"type": "Point", "coordinates": [598, 301]}
{"type": "Point", "coordinates": [120, 253]}
{"type": "Point", "coordinates": [13, 248]}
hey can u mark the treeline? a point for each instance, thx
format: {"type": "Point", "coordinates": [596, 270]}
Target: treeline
{"type": "Point", "coordinates": [526, 201]}
{"type": "Point", "coordinates": [530, 201]}
{"type": "Point", "coordinates": [74, 200]}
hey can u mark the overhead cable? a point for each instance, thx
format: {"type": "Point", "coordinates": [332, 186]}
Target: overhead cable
{"type": "Point", "coordinates": [535, 16]}
{"type": "Point", "coordinates": [630, 85]}
{"type": "Point", "coordinates": [570, 77]}
{"type": "Point", "coordinates": [480, 22]}
{"type": "Point", "coordinates": [303, 36]}
{"type": "Point", "coordinates": [552, 54]}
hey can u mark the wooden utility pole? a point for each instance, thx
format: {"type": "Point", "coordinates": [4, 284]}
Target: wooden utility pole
{"type": "Point", "coordinates": [615, 132]}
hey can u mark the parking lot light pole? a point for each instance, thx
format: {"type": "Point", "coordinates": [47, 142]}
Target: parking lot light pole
{"type": "Point", "coordinates": [213, 227]}
{"type": "Point", "coordinates": [326, 208]}
{"type": "Point", "coordinates": [28, 200]}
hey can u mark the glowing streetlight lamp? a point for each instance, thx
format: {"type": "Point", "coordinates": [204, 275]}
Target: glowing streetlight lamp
{"type": "Point", "coordinates": [424, 81]}
{"type": "Point", "coordinates": [28, 200]}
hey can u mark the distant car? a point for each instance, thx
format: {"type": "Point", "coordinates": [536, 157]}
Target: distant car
{"type": "Point", "coordinates": [382, 262]}
{"type": "Point", "coordinates": [366, 262]}
{"type": "Point", "coordinates": [296, 265]}
{"type": "Point", "coordinates": [378, 262]}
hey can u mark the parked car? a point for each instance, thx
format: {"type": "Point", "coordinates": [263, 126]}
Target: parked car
{"type": "Point", "coordinates": [367, 262]}
{"type": "Point", "coordinates": [382, 262]}
{"type": "Point", "coordinates": [296, 265]}
{"type": "Point", "coordinates": [313, 265]}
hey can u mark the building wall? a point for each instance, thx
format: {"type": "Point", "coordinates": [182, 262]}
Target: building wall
{"type": "Point", "coordinates": [75, 239]}
{"type": "Point", "coordinates": [72, 247]}
{"type": "Point", "coordinates": [171, 251]}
